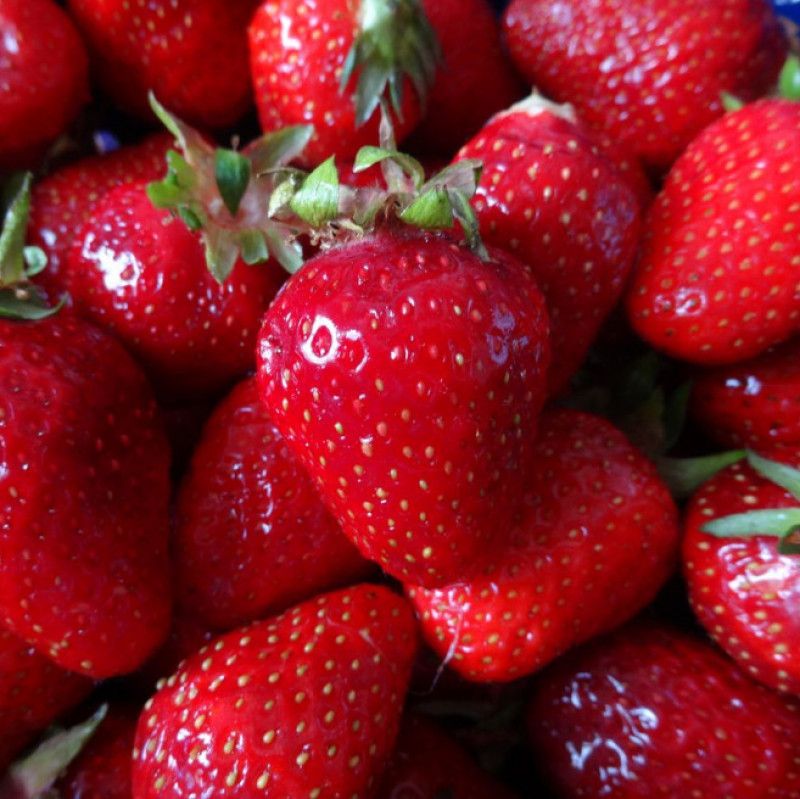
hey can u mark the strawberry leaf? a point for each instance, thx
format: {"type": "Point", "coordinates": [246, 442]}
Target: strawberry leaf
{"type": "Point", "coordinates": [685, 475]}
{"type": "Point", "coordinates": [277, 149]}
{"type": "Point", "coordinates": [772, 522]}
{"type": "Point", "coordinates": [789, 79]}
{"type": "Point", "coordinates": [317, 200]}
{"type": "Point", "coordinates": [430, 211]}
{"type": "Point", "coordinates": [233, 172]}
{"type": "Point", "coordinates": [790, 543]}
{"type": "Point", "coordinates": [782, 475]}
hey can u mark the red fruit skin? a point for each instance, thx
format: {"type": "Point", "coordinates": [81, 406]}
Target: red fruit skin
{"type": "Point", "coordinates": [549, 195]}
{"type": "Point", "coordinates": [192, 54]}
{"type": "Point", "coordinates": [408, 375]}
{"type": "Point", "coordinates": [297, 51]}
{"type": "Point", "coordinates": [475, 80]}
{"type": "Point", "coordinates": [652, 706]}
{"type": "Point", "coordinates": [43, 79]}
{"type": "Point", "coordinates": [33, 693]}
{"type": "Point", "coordinates": [717, 281]}
{"type": "Point", "coordinates": [754, 404]}
{"type": "Point", "coordinates": [649, 73]}
{"type": "Point", "coordinates": [252, 535]}
{"type": "Point", "coordinates": [308, 703]}
{"type": "Point", "coordinates": [427, 763]}
{"type": "Point", "coordinates": [103, 769]}
{"type": "Point", "coordinates": [143, 276]}
{"type": "Point", "coordinates": [63, 201]}
{"type": "Point", "coordinates": [599, 538]}
{"type": "Point", "coordinates": [84, 575]}
{"type": "Point", "coordinates": [743, 591]}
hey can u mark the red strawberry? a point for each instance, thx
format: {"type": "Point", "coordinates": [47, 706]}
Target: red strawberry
{"type": "Point", "coordinates": [650, 73]}
{"type": "Point", "coordinates": [300, 50]}
{"type": "Point", "coordinates": [744, 591]}
{"type": "Point", "coordinates": [103, 768]}
{"type": "Point", "coordinates": [651, 709]}
{"type": "Point", "coordinates": [63, 201]}
{"type": "Point", "coordinates": [717, 282]}
{"type": "Point", "coordinates": [146, 280]}
{"type": "Point", "coordinates": [33, 693]}
{"type": "Point", "coordinates": [598, 540]}
{"type": "Point", "coordinates": [43, 78]}
{"type": "Point", "coordinates": [754, 404]}
{"type": "Point", "coordinates": [475, 79]}
{"type": "Point", "coordinates": [408, 375]}
{"type": "Point", "coordinates": [85, 487]}
{"type": "Point", "coordinates": [246, 509]}
{"type": "Point", "coordinates": [548, 194]}
{"type": "Point", "coordinates": [428, 764]}
{"type": "Point", "coordinates": [305, 705]}
{"type": "Point", "coordinates": [191, 53]}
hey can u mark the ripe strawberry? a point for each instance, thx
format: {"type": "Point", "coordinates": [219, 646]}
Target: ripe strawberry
{"type": "Point", "coordinates": [62, 202]}
{"type": "Point", "coordinates": [103, 769]}
{"type": "Point", "coordinates": [408, 375]}
{"type": "Point", "coordinates": [302, 50]}
{"type": "Point", "coordinates": [428, 764]}
{"type": "Point", "coordinates": [754, 404]}
{"type": "Point", "coordinates": [43, 78]}
{"type": "Point", "coordinates": [654, 709]}
{"type": "Point", "coordinates": [717, 282]}
{"type": "Point", "coordinates": [650, 73]}
{"type": "Point", "coordinates": [599, 538]}
{"type": "Point", "coordinates": [743, 588]}
{"type": "Point", "coordinates": [33, 693]}
{"type": "Point", "coordinates": [548, 194]}
{"type": "Point", "coordinates": [474, 81]}
{"type": "Point", "coordinates": [191, 53]}
{"type": "Point", "coordinates": [85, 487]}
{"type": "Point", "coordinates": [246, 509]}
{"type": "Point", "coordinates": [307, 704]}
{"type": "Point", "coordinates": [147, 281]}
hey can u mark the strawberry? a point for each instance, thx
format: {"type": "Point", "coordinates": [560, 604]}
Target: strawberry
{"type": "Point", "coordinates": [651, 709]}
{"type": "Point", "coordinates": [744, 584]}
{"type": "Point", "coordinates": [408, 374]}
{"type": "Point", "coordinates": [650, 73]}
{"type": "Point", "coordinates": [598, 539]}
{"type": "Point", "coordinates": [43, 78]}
{"type": "Point", "coordinates": [62, 202]}
{"type": "Point", "coordinates": [755, 403]}
{"type": "Point", "coordinates": [548, 194]}
{"type": "Point", "coordinates": [147, 281]}
{"type": "Point", "coordinates": [305, 705]}
{"type": "Point", "coordinates": [717, 282]}
{"type": "Point", "coordinates": [246, 509]}
{"type": "Point", "coordinates": [428, 764]}
{"type": "Point", "coordinates": [191, 53]}
{"type": "Point", "coordinates": [85, 487]}
{"type": "Point", "coordinates": [309, 57]}
{"type": "Point", "coordinates": [103, 769]}
{"type": "Point", "coordinates": [33, 693]}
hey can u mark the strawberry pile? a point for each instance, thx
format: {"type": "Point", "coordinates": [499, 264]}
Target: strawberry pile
{"type": "Point", "coordinates": [335, 470]}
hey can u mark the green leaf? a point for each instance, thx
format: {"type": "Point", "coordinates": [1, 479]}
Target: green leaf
{"type": "Point", "coordinates": [15, 228]}
{"type": "Point", "coordinates": [789, 79]}
{"type": "Point", "coordinates": [773, 522]}
{"type": "Point", "coordinates": [191, 218]}
{"type": "Point", "coordinates": [465, 214]}
{"type": "Point", "coordinates": [685, 475]}
{"type": "Point", "coordinates": [232, 170]}
{"type": "Point", "coordinates": [369, 156]}
{"type": "Point", "coordinates": [27, 304]}
{"type": "Point", "coordinates": [35, 260]}
{"type": "Point", "coordinates": [317, 200]}
{"type": "Point", "coordinates": [430, 211]}
{"type": "Point", "coordinates": [730, 102]}
{"type": "Point", "coordinates": [279, 148]}
{"type": "Point", "coordinates": [285, 249]}
{"type": "Point", "coordinates": [782, 475]}
{"type": "Point", "coordinates": [222, 252]}
{"type": "Point", "coordinates": [253, 247]}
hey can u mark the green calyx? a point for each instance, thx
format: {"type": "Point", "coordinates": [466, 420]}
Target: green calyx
{"type": "Point", "coordinates": [782, 523]}
{"type": "Point", "coordinates": [395, 41]}
{"type": "Point", "coordinates": [685, 475]}
{"type": "Point", "coordinates": [19, 298]}
{"type": "Point", "coordinates": [789, 79]}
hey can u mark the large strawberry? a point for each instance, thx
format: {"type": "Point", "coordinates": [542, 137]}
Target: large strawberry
{"type": "Point", "coordinates": [330, 63]}
{"type": "Point", "coordinates": [754, 404]}
{"type": "Point", "coordinates": [33, 693]}
{"type": "Point", "coordinates": [650, 73]}
{"type": "Point", "coordinates": [654, 711]}
{"type": "Point", "coordinates": [246, 509]}
{"type": "Point", "coordinates": [744, 581]}
{"type": "Point", "coordinates": [43, 78]}
{"type": "Point", "coordinates": [63, 201]}
{"type": "Point", "coordinates": [717, 282]}
{"type": "Point", "coordinates": [599, 538]}
{"type": "Point", "coordinates": [191, 53]}
{"type": "Point", "coordinates": [305, 705]}
{"type": "Point", "coordinates": [549, 195]}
